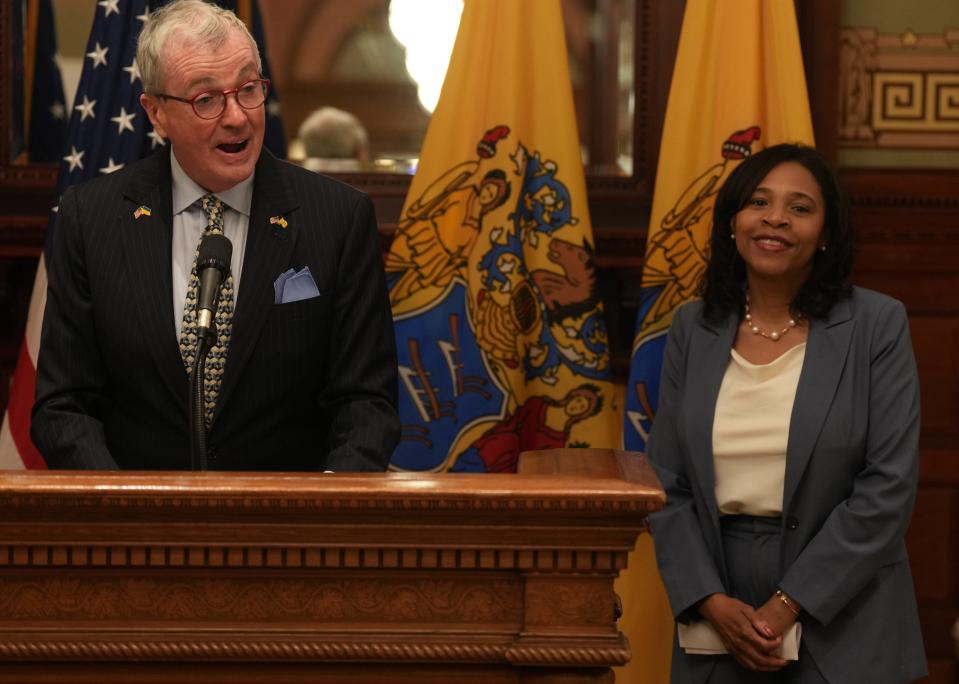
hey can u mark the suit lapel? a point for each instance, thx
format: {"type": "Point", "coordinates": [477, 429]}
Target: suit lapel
{"type": "Point", "coordinates": [708, 359]}
{"type": "Point", "coordinates": [269, 249]}
{"type": "Point", "coordinates": [146, 241]}
{"type": "Point", "coordinates": [826, 350]}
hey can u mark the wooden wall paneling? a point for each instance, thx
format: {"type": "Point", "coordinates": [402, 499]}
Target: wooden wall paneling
{"type": "Point", "coordinates": [909, 248]}
{"type": "Point", "coordinates": [942, 670]}
{"type": "Point", "coordinates": [939, 462]}
{"type": "Point", "coordinates": [819, 24]}
{"type": "Point", "coordinates": [620, 210]}
{"type": "Point", "coordinates": [933, 542]}
{"type": "Point", "coordinates": [25, 191]}
{"type": "Point", "coordinates": [936, 343]}
{"type": "Point", "coordinates": [907, 224]}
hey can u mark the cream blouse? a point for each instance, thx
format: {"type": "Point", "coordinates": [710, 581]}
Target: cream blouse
{"type": "Point", "coordinates": [751, 433]}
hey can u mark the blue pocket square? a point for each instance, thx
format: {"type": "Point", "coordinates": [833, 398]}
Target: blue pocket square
{"type": "Point", "coordinates": [293, 286]}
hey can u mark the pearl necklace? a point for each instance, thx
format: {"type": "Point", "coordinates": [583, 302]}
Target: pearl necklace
{"type": "Point", "coordinates": [775, 335]}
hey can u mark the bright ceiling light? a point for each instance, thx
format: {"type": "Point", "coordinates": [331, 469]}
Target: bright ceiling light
{"type": "Point", "coordinates": [427, 29]}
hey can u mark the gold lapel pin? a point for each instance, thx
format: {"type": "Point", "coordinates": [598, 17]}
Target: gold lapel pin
{"type": "Point", "coordinates": [280, 220]}
{"type": "Point", "coordinates": [142, 210]}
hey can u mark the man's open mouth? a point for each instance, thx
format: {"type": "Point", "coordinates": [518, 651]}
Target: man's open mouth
{"type": "Point", "coordinates": [233, 148]}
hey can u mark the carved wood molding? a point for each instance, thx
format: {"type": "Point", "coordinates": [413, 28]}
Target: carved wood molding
{"type": "Point", "coordinates": [557, 601]}
{"type": "Point", "coordinates": [894, 233]}
{"type": "Point", "coordinates": [922, 189]}
{"type": "Point", "coordinates": [545, 655]}
{"type": "Point", "coordinates": [309, 650]}
{"type": "Point", "coordinates": [625, 488]}
{"type": "Point", "coordinates": [498, 503]}
{"type": "Point", "coordinates": [307, 557]}
{"type": "Point", "coordinates": [42, 176]}
{"type": "Point", "coordinates": [22, 236]}
{"type": "Point", "coordinates": [159, 599]}
{"type": "Point", "coordinates": [909, 200]}
{"type": "Point", "coordinates": [300, 649]}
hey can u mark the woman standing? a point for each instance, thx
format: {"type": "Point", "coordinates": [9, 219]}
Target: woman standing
{"type": "Point", "coordinates": [787, 443]}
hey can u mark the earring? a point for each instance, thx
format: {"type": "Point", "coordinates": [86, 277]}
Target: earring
{"type": "Point", "coordinates": [732, 236]}
{"type": "Point", "coordinates": [822, 248]}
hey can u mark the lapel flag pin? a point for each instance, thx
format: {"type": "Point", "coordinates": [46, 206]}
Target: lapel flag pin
{"type": "Point", "coordinates": [142, 210]}
{"type": "Point", "coordinates": [280, 220]}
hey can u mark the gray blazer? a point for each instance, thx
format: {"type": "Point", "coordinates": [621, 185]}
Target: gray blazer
{"type": "Point", "coordinates": [851, 473]}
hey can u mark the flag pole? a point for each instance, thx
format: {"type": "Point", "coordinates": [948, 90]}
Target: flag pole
{"type": "Point", "coordinates": [29, 71]}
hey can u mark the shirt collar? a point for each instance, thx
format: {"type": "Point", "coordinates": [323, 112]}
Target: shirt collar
{"type": "Point", "coordinates": [187, 191]}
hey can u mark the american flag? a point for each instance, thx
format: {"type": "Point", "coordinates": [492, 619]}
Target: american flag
{"type": "Point", "coordinates": [108, 129]}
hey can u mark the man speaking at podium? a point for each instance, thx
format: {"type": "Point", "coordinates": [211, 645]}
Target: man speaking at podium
{"type": "Point", "coordinates": [302, 374]}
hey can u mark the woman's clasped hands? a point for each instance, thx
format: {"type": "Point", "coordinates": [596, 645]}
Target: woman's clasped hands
{"type": "Point", "coordinates": [751, 636]}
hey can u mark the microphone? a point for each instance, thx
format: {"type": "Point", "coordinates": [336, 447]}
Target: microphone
{"type": "Point", "coordinates": [212, 267]}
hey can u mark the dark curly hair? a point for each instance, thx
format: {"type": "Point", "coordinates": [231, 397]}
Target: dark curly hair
{"type": "Point", "coordinates": [723, 284]}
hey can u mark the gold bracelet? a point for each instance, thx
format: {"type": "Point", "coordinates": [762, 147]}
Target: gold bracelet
{"type": "Point", "coordinates": [787, 601]}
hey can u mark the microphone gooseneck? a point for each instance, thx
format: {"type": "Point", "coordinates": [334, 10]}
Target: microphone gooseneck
{"type": "Point", "coordinates": [212, 266]}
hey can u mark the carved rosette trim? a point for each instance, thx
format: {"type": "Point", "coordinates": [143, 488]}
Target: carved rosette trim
{"type": "Point", "coordinates": [313, 650]}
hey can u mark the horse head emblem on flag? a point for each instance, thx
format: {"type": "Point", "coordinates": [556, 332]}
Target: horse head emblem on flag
{"type": "Point", "coordinates": [495, 304]}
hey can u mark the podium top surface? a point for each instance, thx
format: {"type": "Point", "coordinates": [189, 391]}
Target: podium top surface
{"type": "Point", "coordinates": [580, 479]}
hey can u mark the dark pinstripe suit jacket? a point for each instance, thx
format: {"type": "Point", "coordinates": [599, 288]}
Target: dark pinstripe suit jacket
{"type": "Point", "coordinates": [308, 385]}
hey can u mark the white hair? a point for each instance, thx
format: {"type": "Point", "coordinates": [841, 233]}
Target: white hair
{"type": "Point", "coordinates": [331, 133]}
{"type": "Point", "coordinates": [191, 22]}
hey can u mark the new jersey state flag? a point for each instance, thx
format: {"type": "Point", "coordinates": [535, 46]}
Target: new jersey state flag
{"type": "Point", "coordinates": [500, 332]}
{"type": "Point", "coordinates": [738, 86]}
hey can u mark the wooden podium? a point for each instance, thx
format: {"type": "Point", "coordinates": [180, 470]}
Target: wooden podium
{"type": "Point", "coordinates": [290, 577]}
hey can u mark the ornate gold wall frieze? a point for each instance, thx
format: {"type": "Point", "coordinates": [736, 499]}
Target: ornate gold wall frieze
{"type": "Point", "coordinates": [899, 90]}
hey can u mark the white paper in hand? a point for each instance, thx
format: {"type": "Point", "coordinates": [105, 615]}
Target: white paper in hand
{"type": "Point", "coordinates": [699, 638]}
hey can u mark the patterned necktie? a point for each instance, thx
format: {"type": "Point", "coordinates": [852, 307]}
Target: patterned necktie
{"type": "Point", "coordinates": [216, 360]}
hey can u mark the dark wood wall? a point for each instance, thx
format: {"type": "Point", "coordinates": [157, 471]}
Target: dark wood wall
{"type": "Point", "coordinates": [908, 229]}
{"type": "Point", "coordinates": [908, 246]}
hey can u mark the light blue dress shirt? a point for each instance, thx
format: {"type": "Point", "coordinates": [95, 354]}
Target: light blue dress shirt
{"type": "Point", "coordinates": [189, 222]}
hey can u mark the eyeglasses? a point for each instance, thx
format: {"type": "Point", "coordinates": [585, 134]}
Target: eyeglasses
{"type": "Point", "coordinates": [210, 104]}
